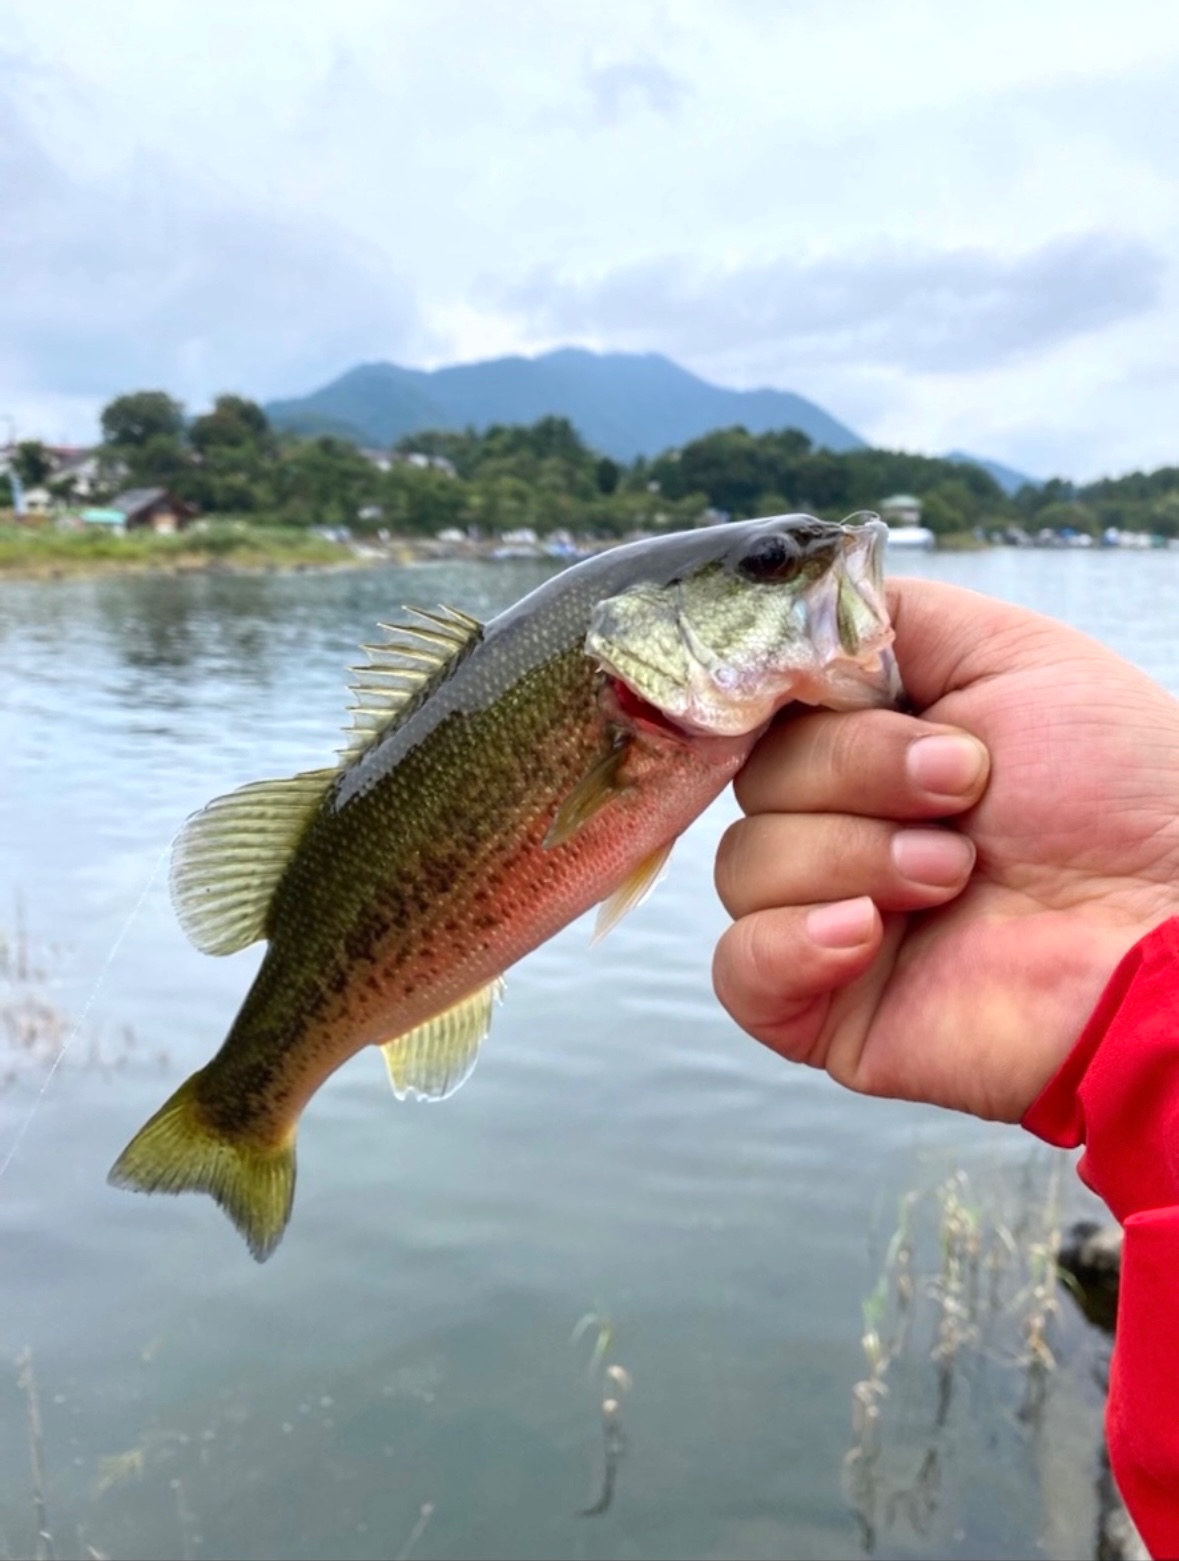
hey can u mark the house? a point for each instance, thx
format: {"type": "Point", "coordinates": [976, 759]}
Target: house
{"type": "Point", "coordinates": [74, 471]}
{"type": "Point", "coordinates": [901, 510]}
{"type": "Point", "coordinates": [77, 472]}
{"type": "Point", "coordinates": [153, 509]}
{"type": "Point", "coordinates": [37, 501]}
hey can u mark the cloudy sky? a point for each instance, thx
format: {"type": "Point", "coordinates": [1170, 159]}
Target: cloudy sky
{"type": "Point", "coordinates": [950, 225]}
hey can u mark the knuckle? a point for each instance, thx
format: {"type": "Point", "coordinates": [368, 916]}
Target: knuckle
{"type": "Point", "coordinates": [841, 749]}
{"type": "Point", "coordinates": [758, 953]}
{"type": "Point", "coordinates": [864, 748]}
{"type": "Point", "coordinates": [731, 972]}
{"type": "Point", "coordinates": [754, 781]}
{"type": "Point", "coordinates": [729, 872]}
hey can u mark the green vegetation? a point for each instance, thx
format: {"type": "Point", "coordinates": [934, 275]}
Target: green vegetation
{"type": "Point", "coordinates": [230, 461]}
{"type": "Point", "coordinates": [31, 462]}
{"type": "Point", "coordinates": [39, 550]}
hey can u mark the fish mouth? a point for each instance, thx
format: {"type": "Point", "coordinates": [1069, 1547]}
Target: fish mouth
{"type": "Point", "coordinates": [708, 703]}
{"type": "Point", "coordinates": [718, 651]}
{"type": "Point", "coordinates": [633, 709]}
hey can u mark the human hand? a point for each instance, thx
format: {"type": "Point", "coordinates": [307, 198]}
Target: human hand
{"type": "Point", "coordinates": [999, 931]}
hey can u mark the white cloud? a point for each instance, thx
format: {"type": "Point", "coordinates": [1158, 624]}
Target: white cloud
{"type": "Point", "coordinates": [927, 312]}
{"type": "Point", "coordinates": [150, 277]}
{"type": "Point", "coordinates": [625, 86]}
{"type": "Point", "coordinates": [948, 224]}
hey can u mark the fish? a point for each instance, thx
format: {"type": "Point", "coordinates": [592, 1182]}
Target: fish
{"type": "Point", "coordinates": [497, 781]}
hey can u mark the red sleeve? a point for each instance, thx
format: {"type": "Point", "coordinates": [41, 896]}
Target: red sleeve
{"type": "Point", "coordinates": [1118, 1094]}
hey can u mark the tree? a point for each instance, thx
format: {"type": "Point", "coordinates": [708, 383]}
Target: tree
{"type": "Point", "coordinates": [324, 481]}
{"type": "Point", "coordinates": [1055, 491]}
{"type": "Point", "coordinates": [161, 461]}
{"type": "Point", "coordinates": [607, 473]}
{"type": "Point", "coordinates": [818, 481]}
{"type": "Point", "coordinates": [730, 466]}
{"type": "Point", "coordinates": [233, 421]}
{"type": "Point", "coordinates": [789, 444]}
{"type": "Point", "coordinates": [32, 463]}
{"type": "Point", "coordinates": [130, 421]}
{"type": "Point", "coordinates": [425, 500]}
{"type": "Point", "coordinates": [1163, 515]}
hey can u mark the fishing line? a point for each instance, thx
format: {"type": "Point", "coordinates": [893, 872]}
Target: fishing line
{"type": "Point", "coordinates": [22, 1131]}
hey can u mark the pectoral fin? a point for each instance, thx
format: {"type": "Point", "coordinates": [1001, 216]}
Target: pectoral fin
{"type": "Point", "coordinates": [594, 790]}
{"type": "Point", "coordinates": [632, 891]}
{"type": "Point", "coordinates": [436, 1059]}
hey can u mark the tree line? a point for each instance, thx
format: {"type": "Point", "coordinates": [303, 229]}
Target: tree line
{"type": "Point", "coordinates": [230, 461]}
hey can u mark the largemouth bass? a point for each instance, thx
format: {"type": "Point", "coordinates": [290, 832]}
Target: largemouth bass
{"type": "Point", "coordinates": [498, 781]}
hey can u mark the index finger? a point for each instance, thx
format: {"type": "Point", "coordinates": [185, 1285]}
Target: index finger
{"type": "Point", "coordinates": [876, 763]}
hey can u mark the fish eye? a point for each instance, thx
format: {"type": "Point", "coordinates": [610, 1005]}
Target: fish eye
{"type": "Point", "coordinates": [770, 558]}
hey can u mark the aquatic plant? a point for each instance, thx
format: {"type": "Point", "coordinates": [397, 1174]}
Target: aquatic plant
{"type": "Point", "coordinates": [967, 1285]}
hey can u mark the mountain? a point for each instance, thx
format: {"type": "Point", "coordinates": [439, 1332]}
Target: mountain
{"type": "Point", "coordinates": [623, 404]}
{"type": "Point", "coordinates": [1007, 477]}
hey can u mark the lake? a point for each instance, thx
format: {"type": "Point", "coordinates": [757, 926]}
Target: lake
{"type": "Point", "coordinates": [630, 1201]}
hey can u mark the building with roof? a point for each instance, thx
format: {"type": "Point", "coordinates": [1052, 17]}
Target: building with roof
{"type": "Point", "coordinates": [152, 509]}
{"type": "Point", "coordinates": [79, 473]}
{"type": "Point", "coordinates": [902, 509]}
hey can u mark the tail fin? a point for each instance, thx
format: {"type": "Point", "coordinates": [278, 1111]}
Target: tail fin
{"type": "Point", "coordinates": [179, 1151]}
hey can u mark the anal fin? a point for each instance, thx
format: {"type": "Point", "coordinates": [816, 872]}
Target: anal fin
{"type": "Point", "coordinates": [437, 1058]}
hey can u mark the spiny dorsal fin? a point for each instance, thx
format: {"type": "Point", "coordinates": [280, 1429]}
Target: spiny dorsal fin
{"type": "Point", "coordinates": [632, 891]}
{"type": "Point", "coordinates": [228, 858]}
{"type": "Point", "coordinates": [402, 671]}
{"type": "Point", "coordinates": [436, 1059]}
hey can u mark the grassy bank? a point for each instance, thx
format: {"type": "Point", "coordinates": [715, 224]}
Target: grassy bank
{"type": "Point", "coordinates": [960, 542]}
{"type": "Point", "coordinates": [34, 553]}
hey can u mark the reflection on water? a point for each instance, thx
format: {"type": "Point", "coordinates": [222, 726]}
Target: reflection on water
{"type": "Point", "coordinates": [406, 1375]}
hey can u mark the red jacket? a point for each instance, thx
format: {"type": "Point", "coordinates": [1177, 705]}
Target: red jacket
{"type": "Point", "coordinates": [1118, 1094]}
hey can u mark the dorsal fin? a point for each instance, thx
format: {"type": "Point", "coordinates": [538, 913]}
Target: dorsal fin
{"type": "Point", "coordinates": [401, 672]}
{"type": "Point", "coordinates": [228, 858]}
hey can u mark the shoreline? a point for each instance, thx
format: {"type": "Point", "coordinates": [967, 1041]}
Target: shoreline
{"type": "Point", "coordinates": [39, 555]}
{"type": "Point", "coordinates": [44, 555]}
{"type": "Point", "coordinates": [42, 570]}
{"type": "Point", "coordinates": [48, 555]}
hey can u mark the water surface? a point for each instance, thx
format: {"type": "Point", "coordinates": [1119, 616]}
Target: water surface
{"type": "Point", "coordinates": [403, 1376]}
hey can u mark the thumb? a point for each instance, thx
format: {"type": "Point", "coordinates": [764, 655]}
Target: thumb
{"type": "Point", "coordinates": [948, 638]}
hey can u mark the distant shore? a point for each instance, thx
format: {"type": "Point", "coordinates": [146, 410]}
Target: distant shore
{"type": "Point", "coordinates": [236, 547]}
{"type": "Point", "coordinates": [28, 553]}
{"type": "Point", "coordinates": [239, 547]}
